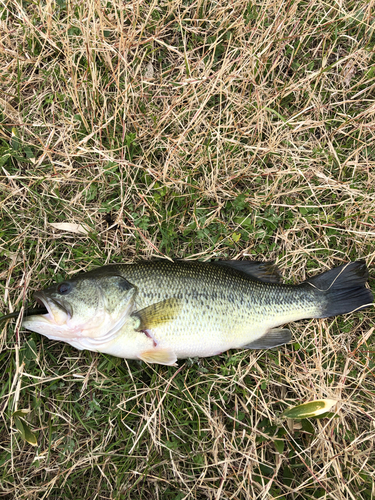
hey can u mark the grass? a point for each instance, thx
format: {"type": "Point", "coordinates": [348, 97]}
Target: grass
{"type": "Point", "coordinates": [199, 130]}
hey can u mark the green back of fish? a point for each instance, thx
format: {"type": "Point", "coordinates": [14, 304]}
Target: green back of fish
{"type": "Point", "coordinates": [199, 309]}
{"type": "Point", "coordinates": [203, 308]}
{"type": "Point", "coordinates": [204, 285]}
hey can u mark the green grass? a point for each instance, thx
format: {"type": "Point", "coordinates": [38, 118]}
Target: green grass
{"type": "Point", "coordinates": [193, 130]}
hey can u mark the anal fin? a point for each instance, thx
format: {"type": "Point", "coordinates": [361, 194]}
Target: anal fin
{"type": "Point", "coordinates": [159, 355]}
{"type": "Point", "coordinates": [273, 338]}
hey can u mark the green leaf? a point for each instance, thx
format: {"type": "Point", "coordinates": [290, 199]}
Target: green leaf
{"type": "Point", "coordinates": [20, 413]}
{"type": "Point", "coordinates": [4, 158]}
{"type": "Point", "coordinates": [307, 426]}
{"type": "Point", "coordinates": [311, 409]}
{"type": "Point", "coordinates": [28, 151]}
{"type": "Point", "coordinates": [240, 202]}
{"type": "Point", "coordinates": [20, 427]}
{"type": "Point", "coordinates": [26, 433]}
{"type": "Point", "coordinates": [15, 141]}
{"type": "Point", "coordinates": [266, 470]}
{"type": "Point", "coordinates": [279, 445]}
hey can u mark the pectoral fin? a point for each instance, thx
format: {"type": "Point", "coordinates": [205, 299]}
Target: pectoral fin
{"type": "Point", "coordinates": [272, 338]}
{"type": "Point", "coordinates": [158, 314]}
{"type": "Point", "coordinates": [159, 355]}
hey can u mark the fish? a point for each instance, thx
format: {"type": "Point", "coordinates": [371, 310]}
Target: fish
{"type": "Point", "coordinates": [160, 311]}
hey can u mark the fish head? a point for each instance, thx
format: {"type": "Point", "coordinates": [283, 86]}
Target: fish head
{"type": "Point", "coordinates": [83, 311]}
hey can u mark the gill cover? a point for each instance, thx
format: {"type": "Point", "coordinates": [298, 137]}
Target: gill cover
{"type": "Point", "coordinates": [85, 312]}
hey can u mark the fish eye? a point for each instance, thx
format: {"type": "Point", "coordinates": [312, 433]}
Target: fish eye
{"type": "Point", "coordinates": [64, 288]}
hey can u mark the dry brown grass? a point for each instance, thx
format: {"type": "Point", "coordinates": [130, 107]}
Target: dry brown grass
{"type": "Point", "coordinates": [197, 130]}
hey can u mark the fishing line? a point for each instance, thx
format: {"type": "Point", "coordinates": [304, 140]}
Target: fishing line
{"type": "Point", "coordinates": [27, 312]}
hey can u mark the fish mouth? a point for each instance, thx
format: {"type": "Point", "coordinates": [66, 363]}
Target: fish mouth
{"type": "Point", "coordinates": [56, 312]}
{"type": "Point", "coordinates": [42, 310]}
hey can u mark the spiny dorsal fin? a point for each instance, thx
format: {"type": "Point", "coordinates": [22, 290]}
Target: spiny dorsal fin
{"type": "Point", "coordinates": [264, 271]}
{"type": "Point", "coordinates": [158, 313]}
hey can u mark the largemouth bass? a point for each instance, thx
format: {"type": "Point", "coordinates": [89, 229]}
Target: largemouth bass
{"type": "Point", "coordinates": [161, 311]}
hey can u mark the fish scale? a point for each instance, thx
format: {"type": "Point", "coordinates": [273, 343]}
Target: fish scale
{"type": "Point", "coordinates": [242, 308]}
{"type": "Point", "coordinates": [185, 309]}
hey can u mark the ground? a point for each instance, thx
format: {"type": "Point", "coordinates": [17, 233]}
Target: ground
{"type": "Point", "coordinates": [198, 130]}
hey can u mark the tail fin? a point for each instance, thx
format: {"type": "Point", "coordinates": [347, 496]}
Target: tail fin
{"type": "Point", "coordinates": [344, 289]}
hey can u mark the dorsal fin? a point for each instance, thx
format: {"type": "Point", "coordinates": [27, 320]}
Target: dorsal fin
{"type": "Point", "coordinates": [264, 271]}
